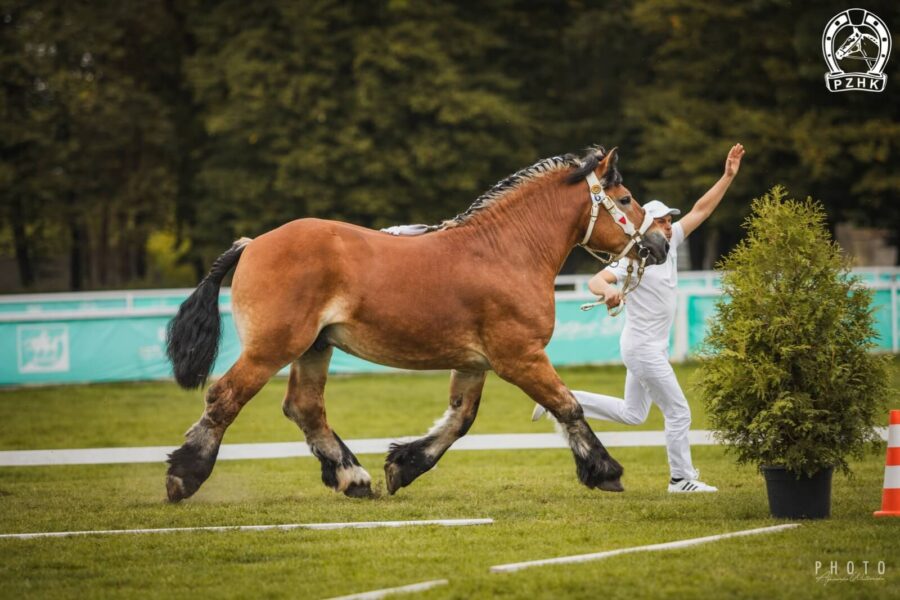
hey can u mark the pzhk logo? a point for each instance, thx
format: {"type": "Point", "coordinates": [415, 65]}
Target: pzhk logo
{"type": "Point", "coordinates": [856, 51]}
{"type": "Point", "coordinates": [43, 348]}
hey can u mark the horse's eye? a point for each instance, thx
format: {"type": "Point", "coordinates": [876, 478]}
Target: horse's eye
{"type": "Point", "coordinates": [625, 199]}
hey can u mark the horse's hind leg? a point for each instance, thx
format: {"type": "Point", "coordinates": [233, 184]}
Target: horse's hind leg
{"type": "Point", "coordinates": [304, 404]}
{"type": "Point", "coordinates": [191, 465]}
{"type": "Point", "coordinates": [535, 375]}
{"type": "Point", "coordinates": [405, 462]}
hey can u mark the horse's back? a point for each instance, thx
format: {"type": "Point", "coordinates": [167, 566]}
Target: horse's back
{"type": "Point", "coordinates": [311, 261]}
{"type": "Point", "coordinates": [310, 234]}
{"type": "Point", "coordinates": [364, 253]}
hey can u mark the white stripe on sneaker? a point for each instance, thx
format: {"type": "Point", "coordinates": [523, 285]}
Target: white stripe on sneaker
{"type": "Point", "coordinates": [690, 485]}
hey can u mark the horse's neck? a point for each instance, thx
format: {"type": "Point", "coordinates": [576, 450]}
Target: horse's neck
{"type": "Point", "coordinates": [535, 226]}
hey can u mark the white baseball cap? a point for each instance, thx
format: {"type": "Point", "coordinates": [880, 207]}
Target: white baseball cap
{"type": "Point", "coordinates": [657, 209]}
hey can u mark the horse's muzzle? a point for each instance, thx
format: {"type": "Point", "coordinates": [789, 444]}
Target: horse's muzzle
{"type": "Point", "coordinates": [657, 247]}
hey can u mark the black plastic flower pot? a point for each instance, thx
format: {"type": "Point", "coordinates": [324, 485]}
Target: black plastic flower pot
{"type": "Point", "coordinates": [793, 498]}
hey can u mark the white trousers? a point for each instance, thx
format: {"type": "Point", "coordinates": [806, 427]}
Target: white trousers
{"type": "Point", "coordinates": [649, 378]}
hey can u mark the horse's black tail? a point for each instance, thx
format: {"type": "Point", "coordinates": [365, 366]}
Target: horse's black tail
{"type": "Point", "coordinates": [192, 338]}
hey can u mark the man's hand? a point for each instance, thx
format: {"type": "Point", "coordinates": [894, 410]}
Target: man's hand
{"type": "Point", "coordinates": [613, 297]}
{"type": "Point", "coordinates": [733, 162]}
{"type": "Point", "coordinates": [601, 285]}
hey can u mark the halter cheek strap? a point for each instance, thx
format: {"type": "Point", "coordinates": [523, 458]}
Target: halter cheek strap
{"type": "Point", "coordinates": [598, 199]}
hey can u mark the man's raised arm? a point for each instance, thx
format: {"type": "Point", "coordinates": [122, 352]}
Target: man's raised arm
{"type": "Point", "coordinates": [710, 200]}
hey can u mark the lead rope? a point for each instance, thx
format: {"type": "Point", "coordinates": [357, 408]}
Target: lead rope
{"type": "Point", "coordinates": [627, 288]}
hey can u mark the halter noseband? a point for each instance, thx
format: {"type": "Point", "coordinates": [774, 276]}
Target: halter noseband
{"type": "Point", "coordinates": [636, 235]}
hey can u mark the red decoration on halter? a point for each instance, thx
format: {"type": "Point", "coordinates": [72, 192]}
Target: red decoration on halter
{"type": "Point", "coordinates": [622, 220]}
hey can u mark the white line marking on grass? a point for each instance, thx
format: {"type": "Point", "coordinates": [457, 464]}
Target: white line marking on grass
{"type": "Point", "coordinates": [509, 568]}
{"type": "Point", "coordinates": [497, 441]}
{"type": "Point", "coordinates": [405, 589]}
{"type": "Point", "coordinates": [158, 454]}
{"type": "Point", "coordinates": [357, 525]}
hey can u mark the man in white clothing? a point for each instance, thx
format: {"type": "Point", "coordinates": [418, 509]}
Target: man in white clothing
{"type": "Point", "coordinates": [645, 338]}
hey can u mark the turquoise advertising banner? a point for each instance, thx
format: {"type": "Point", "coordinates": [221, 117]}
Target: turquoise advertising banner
{"type": "Point", "coordinates": [120, 336]}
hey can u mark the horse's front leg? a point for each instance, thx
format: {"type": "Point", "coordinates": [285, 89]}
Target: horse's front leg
{"type": "Point", "coordinates": [533, 373]}
{"type": "Point", "coordinates": [405, 462]}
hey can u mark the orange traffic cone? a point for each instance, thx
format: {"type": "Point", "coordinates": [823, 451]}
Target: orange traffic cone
{"type": "Point", "coordinates": [890, 501]}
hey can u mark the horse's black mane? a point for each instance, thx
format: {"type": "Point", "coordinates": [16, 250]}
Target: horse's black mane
{"type": "Point", "coordinates": [583, 166]}
{"type": "Point", "coordinates": [589, 163]}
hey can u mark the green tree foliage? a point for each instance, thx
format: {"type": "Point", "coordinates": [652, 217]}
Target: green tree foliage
{"type": "Point", "coordinates": [753, 72]}
{"type": "Point", "coordinates": [788, 377]}
{"type": "Point", "coordinates": [88, 140]}
{"type": "Point", "coordinates": [375, 113]}
{"type": "Point", "coordinates": [28, 178]}
{"type": "Point", "coordinates": [197, 121]}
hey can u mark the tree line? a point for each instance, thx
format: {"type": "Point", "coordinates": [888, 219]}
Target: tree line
{"type": "Point", "coordinates": [139, 138]}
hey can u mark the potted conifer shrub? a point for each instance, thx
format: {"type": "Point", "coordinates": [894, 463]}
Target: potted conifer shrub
{"type": "Point", "coordinates": [789, 380]}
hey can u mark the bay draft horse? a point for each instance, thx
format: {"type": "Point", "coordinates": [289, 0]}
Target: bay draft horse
{"type": "Point", "coordinates": [474, 294]}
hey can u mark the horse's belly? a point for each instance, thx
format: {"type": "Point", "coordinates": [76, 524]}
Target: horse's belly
{"type": "Point", "coordinates": [405, 353]}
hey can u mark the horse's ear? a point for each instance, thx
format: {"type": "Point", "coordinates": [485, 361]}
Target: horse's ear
{"type": "Point", "coordinates": [609, 162]}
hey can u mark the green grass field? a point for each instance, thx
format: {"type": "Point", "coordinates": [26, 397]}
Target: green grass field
{"type": "Point", "coordinates": [540, 509]}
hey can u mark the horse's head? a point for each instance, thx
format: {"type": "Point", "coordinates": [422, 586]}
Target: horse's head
{"type": "Point", "coordinates": [847, 47]}
{"type": "Point", "coordinates": [617, 225]}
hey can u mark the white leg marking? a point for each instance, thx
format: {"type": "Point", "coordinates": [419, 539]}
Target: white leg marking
{"type": "Point", "coordinates": [441, 423]}
{"type": "Point", "coordinates": [202, 437]}
{"type": "Point", "coordinates": [443, 431]}
{"type": "Point", "coordinates": [350, 475]}
{"type": "Point", "coordinates": [577, 443]}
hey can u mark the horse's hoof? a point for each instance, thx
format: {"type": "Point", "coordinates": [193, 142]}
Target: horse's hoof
{"type": "Point", "coordinates": [611, 485]}
{"type": "Point", "coordinates": [359, 490]}
{"type": "Point", "coordinates": [175, 489]}
{"type": "Point", "coordinates": [188, 469]}
{"type": "Point", "coordinates": [405, 462]}
{"type": "Point", "coordinates": [392, 478]}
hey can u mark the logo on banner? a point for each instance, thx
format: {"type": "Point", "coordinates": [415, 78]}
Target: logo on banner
{"type": "Point", "coordinates": [43, 348]}
{"type": "Point", "coordinates": [856, 45]}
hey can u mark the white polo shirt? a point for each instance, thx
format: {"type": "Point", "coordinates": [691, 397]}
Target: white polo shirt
{"type": "Point", "coordinates": [650, 309]}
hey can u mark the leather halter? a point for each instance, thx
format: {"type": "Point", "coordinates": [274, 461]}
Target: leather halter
{"type": "Point", "coordinates": [598, 199]}
{"type": "Point", "coordinates": [636, 235]}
